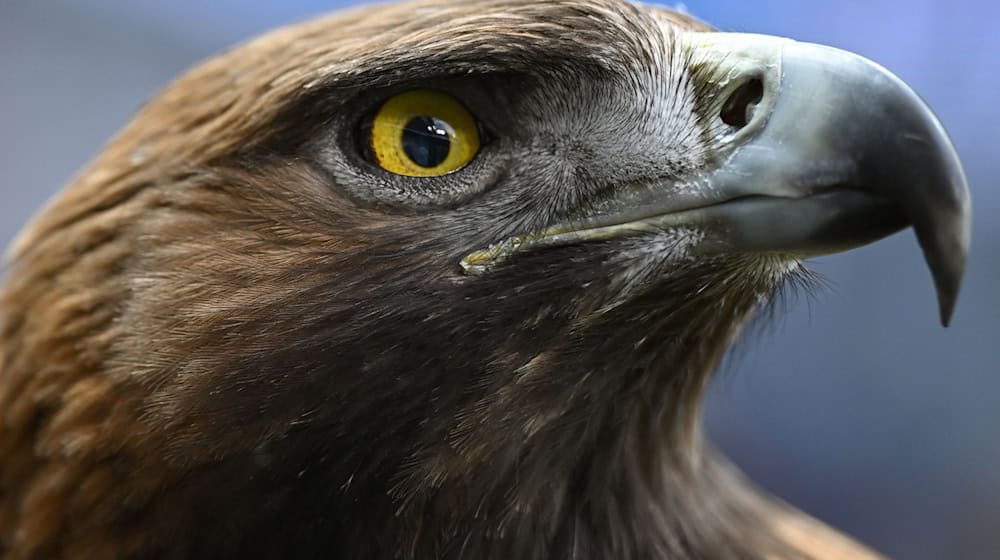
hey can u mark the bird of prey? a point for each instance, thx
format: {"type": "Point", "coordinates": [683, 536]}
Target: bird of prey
{"type": "Point", "coordinates": [444, 279]}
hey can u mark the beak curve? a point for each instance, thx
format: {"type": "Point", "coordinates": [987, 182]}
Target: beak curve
{"type": "Point", "coordinates": [846, 154]}
{"type": "Point", "coordinates": [829, 152]}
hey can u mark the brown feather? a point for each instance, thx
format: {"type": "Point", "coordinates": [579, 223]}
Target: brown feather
{"type": "Point", "coordinates": [153, 323]}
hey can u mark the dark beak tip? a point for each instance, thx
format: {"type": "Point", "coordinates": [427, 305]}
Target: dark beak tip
{"type": "Point", "coordinates": [937, 199]}
{"type": "Point", "coordinates": [946, 304]}
{"type": "Point", "coordinates": [945, 243]}
{"type": "Point", "coordinates": [947, 276]}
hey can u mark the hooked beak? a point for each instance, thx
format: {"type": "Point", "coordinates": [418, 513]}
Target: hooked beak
{"type": "Point", "coordinates": [828, 152]}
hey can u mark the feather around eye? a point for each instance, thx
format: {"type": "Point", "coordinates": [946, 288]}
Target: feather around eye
{"type": "Point", "coordinates": [423, 133]}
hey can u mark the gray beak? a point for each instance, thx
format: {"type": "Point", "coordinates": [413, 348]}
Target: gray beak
{"type": "Point", "coordinates": [840, 153]}
{"type": "Point", "coordinates": [819, 151]}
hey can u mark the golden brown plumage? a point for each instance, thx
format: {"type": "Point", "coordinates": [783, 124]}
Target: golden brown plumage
{"type": "Point", "coordinates": [211, 345]}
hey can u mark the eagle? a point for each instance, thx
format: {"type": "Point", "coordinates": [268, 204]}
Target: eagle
{"type": "Point", "coordinates": [444, 279]}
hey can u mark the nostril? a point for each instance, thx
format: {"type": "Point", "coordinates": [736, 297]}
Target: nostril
{"type": "Point", "coordinates": [739, 108]}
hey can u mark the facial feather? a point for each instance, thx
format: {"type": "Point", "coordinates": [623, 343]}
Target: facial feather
{"type": "Point", "coordinates": [232, 335]}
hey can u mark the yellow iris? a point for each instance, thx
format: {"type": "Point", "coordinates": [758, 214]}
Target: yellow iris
{"type": "Point", "coordinates": [423, 133]}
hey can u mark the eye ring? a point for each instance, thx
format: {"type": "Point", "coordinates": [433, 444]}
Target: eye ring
{"type": "Point", "coordinates": [423, 133]}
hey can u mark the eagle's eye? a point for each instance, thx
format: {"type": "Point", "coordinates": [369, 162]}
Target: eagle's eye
{"type": "Point", "coordinates": [423, 133]}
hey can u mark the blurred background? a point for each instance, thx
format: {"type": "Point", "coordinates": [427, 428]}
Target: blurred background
{"type": "Point", "coordinates": [855, 406]}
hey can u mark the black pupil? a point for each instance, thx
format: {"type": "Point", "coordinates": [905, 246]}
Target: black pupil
{"type": "Point", "coordinates": [426, 141]}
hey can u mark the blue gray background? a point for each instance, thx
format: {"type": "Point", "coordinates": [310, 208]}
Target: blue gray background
{"type": "Point", "coordinates": [855, 405]}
